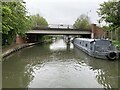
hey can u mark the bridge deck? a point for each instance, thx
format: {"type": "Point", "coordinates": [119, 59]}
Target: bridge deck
{"type": "Point", "coordinates": [59, 32]}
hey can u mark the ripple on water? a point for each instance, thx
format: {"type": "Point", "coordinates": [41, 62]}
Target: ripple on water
{"type": "Point", "coordinates": [63, 67]}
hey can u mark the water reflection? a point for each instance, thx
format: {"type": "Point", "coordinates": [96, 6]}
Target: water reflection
{"type": "Point", "coordinates": [106, 71]}
{"type": "Point", "coordinates": [58, 65]}
{"type": "Point", "coordinates": [60, 45]}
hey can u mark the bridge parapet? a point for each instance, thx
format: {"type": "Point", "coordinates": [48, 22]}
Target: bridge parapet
{"type": "Point", "coordinates": [47, 28]}
{"type": "Point", "coordinates": [65, 26]}
{"type": "Point", "coordinates": [60, 26]}
{"type": "Point", "coordinates": [59, 30]}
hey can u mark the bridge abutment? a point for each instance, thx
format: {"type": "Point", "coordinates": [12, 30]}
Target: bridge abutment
{"type": "Point", "coordinates": [20, 39]}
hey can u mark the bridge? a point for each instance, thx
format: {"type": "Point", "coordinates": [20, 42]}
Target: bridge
{"type": "Point", "coordinates": [34, 35]}
{"type": "Point", "coordinates": [60, 31]}
{"type": "Point", "coordinates": [56, 29]}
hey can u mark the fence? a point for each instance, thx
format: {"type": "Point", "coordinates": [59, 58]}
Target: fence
{"type": "Point", "coordinates": [114, 35]}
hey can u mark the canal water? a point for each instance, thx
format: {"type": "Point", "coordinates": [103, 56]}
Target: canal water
{"type": "Point", "coordinates": [57, 65]}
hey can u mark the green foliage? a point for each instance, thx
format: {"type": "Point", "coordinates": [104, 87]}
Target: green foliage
{"type": "Point", "coordinates": [82, 22]}
{"type": "Point", "coordinates": [106, 27]}
{"type": "Point", "coordinates": [14, 17]}
{"type": "Point", "coordinates": [38, 21]}
{"type": "Point", "coordinates": [47, 38]}
{"type": "Point", "coordinates": [117, 43]}
{"type": "Point", "coordinates": [110, 13]}
{"type": "Point", "coordinates": [14, 20]}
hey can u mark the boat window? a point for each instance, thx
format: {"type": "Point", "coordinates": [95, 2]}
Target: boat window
{"type": "Point", "coordinates": [80, 42]}
{"type": "Point", "coordinates": [103, 48]}
{"type": "Point", "coordinates": [98, 48]}
{"type": "Point", "coordinates": [90, 47]}
{"type": "Point", "coordinates": [83, 43]}
{"type": "Point", "coordinates": [86, 45]}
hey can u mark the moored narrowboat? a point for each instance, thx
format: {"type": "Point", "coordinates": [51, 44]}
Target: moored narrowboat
{"type": "Point", "coordinates": [98, 48]}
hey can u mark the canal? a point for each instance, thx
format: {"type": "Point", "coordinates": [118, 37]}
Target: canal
{"type": "Point", "coordinates": [57, 65]}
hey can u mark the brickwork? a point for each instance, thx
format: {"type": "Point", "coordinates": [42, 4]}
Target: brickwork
{"type": "Point", "coordinates": [97, 32]}
{"type": "Point", "coordinates": [20, 40]}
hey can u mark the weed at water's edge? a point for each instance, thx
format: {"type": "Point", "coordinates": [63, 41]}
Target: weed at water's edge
{"type": "Point", "coordinates": [117, 43]}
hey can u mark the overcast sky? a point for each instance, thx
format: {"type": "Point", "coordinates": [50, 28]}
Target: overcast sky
{"type": "Point", "coordinates": [64, 11]}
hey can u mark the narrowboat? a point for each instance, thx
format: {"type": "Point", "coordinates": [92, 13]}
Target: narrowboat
{"type": "Point", "coordinates": [98, 48]}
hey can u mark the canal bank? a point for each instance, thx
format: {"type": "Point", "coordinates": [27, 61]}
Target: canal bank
{"type": "Point", "coordinates": [16, 48]}
{"type": "Point", "coordinates": [6, 51]}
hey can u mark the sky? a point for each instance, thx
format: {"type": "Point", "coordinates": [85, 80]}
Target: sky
{"type": "Point", "coordinates": [64, 11]}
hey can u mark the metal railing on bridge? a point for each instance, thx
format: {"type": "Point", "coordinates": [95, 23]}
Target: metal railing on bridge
{"type": "Point", "coordinates": [59, 26]}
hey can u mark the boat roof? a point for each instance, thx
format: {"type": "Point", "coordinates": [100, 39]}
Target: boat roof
{"type": "Point", "coordinates": [90, 40]}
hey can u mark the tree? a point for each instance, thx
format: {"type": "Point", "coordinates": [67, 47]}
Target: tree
{"type": "Point", "coordinates": [110, 13]}
{"type": "Point", "coordinates": [14, 20]}
{"type": "Point", "coordinates": [38, 21]}
{"type": "Point", "coordinates": [82, 22]}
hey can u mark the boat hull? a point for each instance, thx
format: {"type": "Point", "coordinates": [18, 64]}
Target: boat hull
{"type": "Point", "coordinates": [96, 54]}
